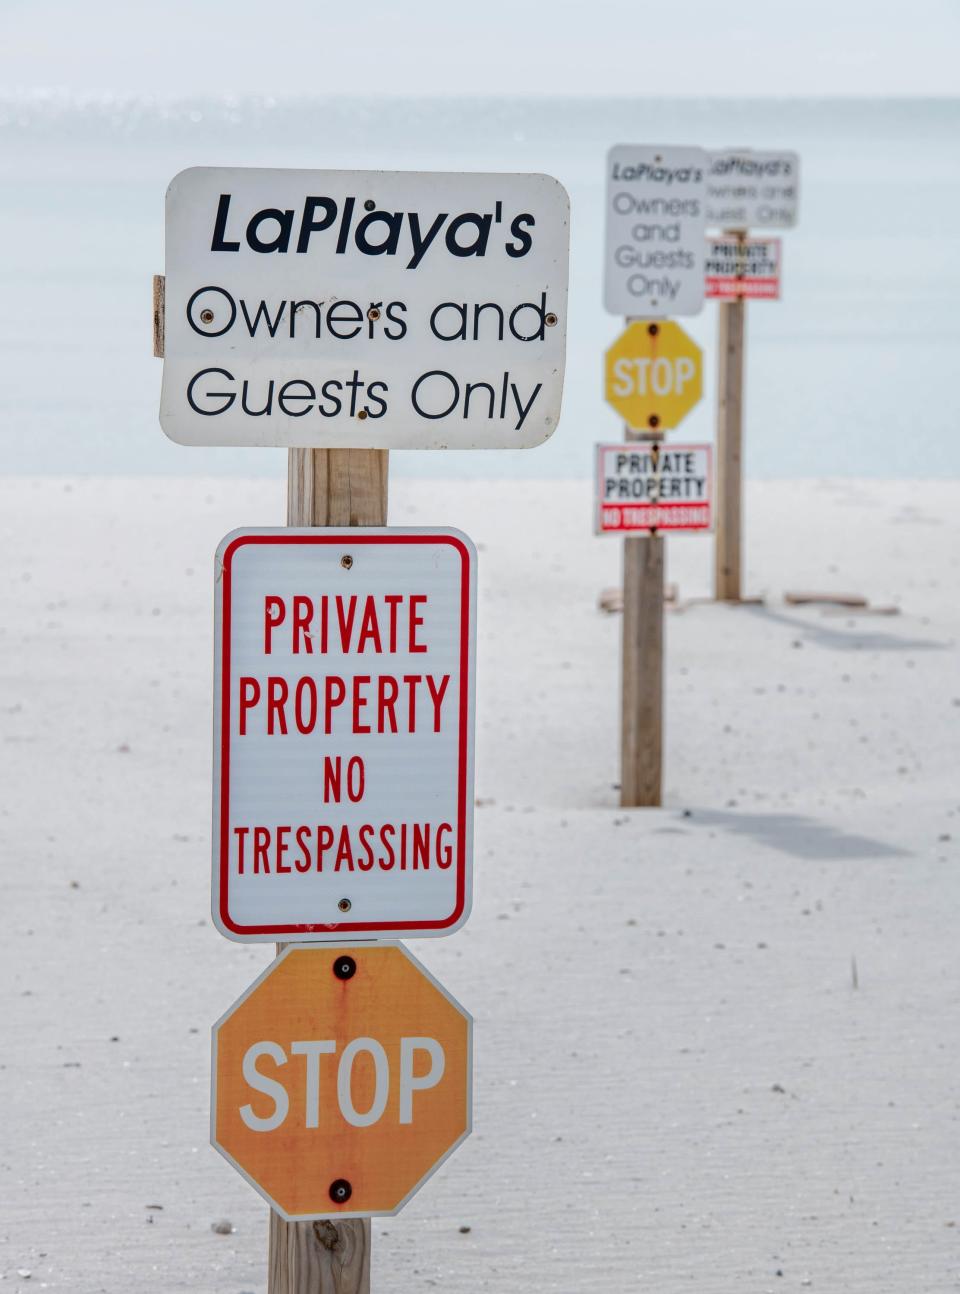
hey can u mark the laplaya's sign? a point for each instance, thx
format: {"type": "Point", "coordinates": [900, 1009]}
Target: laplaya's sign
{"type": "Point", "coordinates": [752, 190]}
{"type": "Point", "coordinates": [366, 309]}
{"type": "Point", "coordinates": [655, 226]}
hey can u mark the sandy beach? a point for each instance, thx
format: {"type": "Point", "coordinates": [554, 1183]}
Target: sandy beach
{"type": "Point", "coordinates": [715, 1043]}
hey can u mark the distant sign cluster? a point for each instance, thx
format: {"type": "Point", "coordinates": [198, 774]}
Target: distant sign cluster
{"type": "Point", "coordinates": [659, 261]}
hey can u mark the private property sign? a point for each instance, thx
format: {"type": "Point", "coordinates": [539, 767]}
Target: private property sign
{"type": "Point", "coordinates": [654, 230]}
{"type": "Point", "coordinates": [743, 267]}
{"type": "Point", "coordinates": [341, 1080]}
{"type": "Point", "coordinates": [645, 487]}
{"type": "Point", "coordinates": [752, 190]}
{"type": "Point", "coordinates": [343, 778]}
{"type": "Point", "coordinates": [364, 309]}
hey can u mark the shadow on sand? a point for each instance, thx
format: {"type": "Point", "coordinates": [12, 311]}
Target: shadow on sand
{"type": "Point", "coordinates": [796, 835]}
{"type": "Point", "coordinates": [837, 639]}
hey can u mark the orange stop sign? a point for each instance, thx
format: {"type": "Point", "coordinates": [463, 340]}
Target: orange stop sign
{"type": "Point", "coordinates": [341, 1080]}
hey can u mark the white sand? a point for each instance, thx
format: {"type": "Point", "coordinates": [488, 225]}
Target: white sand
{"type": "Point", "coordinates": [678, 1087]}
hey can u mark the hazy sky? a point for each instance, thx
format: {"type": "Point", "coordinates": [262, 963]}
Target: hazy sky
{"type": "Point", "coordinates": [681, 47]}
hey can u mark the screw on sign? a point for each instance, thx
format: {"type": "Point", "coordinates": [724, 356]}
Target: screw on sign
{"type": "Point", "coordinates": [653, 375]}
{"type": "Point", "coordinates": [341, 1080]}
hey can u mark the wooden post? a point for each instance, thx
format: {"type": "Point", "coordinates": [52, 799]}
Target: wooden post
{"type": "Point", "coordinates": [328, 487]}
{"type": "Point", "coordinates": [159, 314]}
{"type": "Point", "coordinates": [319, 1257]}
{"type": "Point", "coordinates": [730, 341]}
{"type": "Point", "coordinates": [337, 487]}
{"type": "Point", "coordinates": [641, 697]}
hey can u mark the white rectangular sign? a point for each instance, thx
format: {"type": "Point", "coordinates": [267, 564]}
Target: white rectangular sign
{"type": "Point", "coordinates": [643, 487]}
{"type": "Point", "coordinates": [343, 739]}
{"type": "Point", "coordinates": [386, 309]}
{"type": "Point", "coordinates": [655, 228]}
{"type": "Point", "coordinates": [752, 190]}
{"type": "Point", "coordinates": [747, 268]}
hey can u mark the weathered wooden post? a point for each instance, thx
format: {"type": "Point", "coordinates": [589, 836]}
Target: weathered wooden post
{"type": "Point", "coordinates": [641, 739]}
{"type": "Point", "coordinates": [728, 560]}
{"type": "Point", "coordinates": [745, 190]}
{"type": "Point", "coordinates": [328, 487]}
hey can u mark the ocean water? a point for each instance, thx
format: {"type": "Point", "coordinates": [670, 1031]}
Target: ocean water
{"type": "Point", "coordinates": [853, 373]}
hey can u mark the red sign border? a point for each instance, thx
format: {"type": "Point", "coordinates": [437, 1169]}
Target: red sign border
{"type": "Point", "coordinates": [305, 931]}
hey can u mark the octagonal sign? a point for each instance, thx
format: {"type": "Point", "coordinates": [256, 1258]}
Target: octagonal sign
{"type": "Point", "coordinates": [653, 375]}
{"type": "Point", "coordinates": [341, 1080]}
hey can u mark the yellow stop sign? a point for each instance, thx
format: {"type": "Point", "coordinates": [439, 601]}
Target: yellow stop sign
{"type": "Point", "coordinates": [654, 375]}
